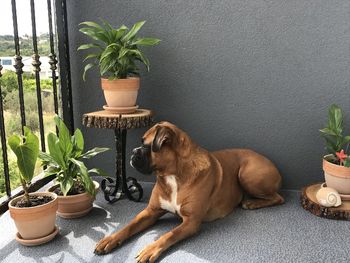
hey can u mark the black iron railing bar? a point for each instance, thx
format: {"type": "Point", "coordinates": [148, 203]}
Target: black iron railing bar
{"type": "Point", "coordinates": [65, 88]}
{"type": "Point", "coordinates": [52, 56]}
{"type": "Point", "coordinates": [64, 63]}
{"type": "Point", "coordinates": [3, 144]}
{"type": "Point", "coordinates": [36, 65]}
{"type": "Point", "coordinates": [18, 64]}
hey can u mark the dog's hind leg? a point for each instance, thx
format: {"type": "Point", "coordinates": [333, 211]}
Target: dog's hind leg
{"type": "Point", "coordinates": [263, 201]}
{"type": "Point", "coordinates": [261, 180]}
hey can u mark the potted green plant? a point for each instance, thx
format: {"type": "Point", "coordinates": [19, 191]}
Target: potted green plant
{"type": "Point", "coordinates": [75, 189]}
{"type": "Point", "coordinates": [336, 164]}
{"type": "Point", "coordinates": [116, 53]}
{"type": "Point", "coordinates": [34, 213]}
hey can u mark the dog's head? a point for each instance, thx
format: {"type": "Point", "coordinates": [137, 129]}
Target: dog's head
{"type": "Point", "coordinates": [161, 147]}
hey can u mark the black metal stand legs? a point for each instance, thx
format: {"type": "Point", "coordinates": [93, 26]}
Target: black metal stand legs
{"type": "Point", "coordinates": [115, 189]}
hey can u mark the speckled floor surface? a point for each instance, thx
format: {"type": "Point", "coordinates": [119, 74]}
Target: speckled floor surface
{"type": "Point", "coordinates": [284, 233]}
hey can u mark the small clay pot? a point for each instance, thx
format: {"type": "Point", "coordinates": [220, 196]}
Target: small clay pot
{"type": "Point", "coordinates": [74, 206]}
{"type": "Point", "coordinates": [336, 176]}
{"type": "Point", "coordinates": [121, 92]}
{"type": "Point", "coordinates": [37, 221]}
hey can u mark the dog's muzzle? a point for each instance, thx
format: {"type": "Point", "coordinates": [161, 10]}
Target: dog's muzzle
{"type": "Point", "coordinates": [141, 159]}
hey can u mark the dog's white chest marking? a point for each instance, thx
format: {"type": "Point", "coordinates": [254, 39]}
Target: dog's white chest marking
{"type": "Point", "coordinates": [171, 205]}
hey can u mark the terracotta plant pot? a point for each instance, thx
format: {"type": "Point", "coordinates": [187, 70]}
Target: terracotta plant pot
{"type": "Point", "coordinates": [121, 92]}
{"type": "Point", "coordinates": [336, 176]}
{"type": "Point", "coordinates": [37, 221]}
{"type": "Point", "coordinates": [74, 206]}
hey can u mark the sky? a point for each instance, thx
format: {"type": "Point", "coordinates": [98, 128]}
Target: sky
{"type": "Point", "coordinates": [23, 17]}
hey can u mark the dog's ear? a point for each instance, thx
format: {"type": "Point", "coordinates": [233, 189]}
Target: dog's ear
{"type": "Point", "coordinates": [163, 135]}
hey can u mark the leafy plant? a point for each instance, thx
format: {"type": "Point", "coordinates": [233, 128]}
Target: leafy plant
{"type": "Point", "coordinates": [332, 133]}
{"type": "Point", "coordinates": [9, 84]}
{"type": "Point", "coordinates": [117, 50]}
{"type": "Point", "coordinates": [26, 149]}
{"type": "Point", "coordinates": [7, 46]}
{"type": "Point", "coordinates": [65, 159]}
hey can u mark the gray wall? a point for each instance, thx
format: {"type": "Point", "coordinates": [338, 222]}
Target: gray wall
{"type": "Point", "coordinates": [254, 74]}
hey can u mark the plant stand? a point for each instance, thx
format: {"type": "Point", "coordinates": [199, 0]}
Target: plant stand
{"type": "Point", "coordinates": [309, 202]}
{"type": "Point", "coordinates": [115, 189]}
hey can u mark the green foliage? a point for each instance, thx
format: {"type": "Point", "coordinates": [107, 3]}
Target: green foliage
{"type": "Point", "coordinates": [48, 103]}
{"type": "Point", "coordinates": [11, 102]}
{"type": "Point", "coordinates": [26, 149]}
{"type": "Point", "coordinates": [14, 175]}
{"type": "Point", "coordinates": [332, 133]}
{"type": "Point", "coordinates": [13, 125]}
{"type": "Point", "coordinates": [117, 50]}
{"type": "Point", "coordinates": [8, 83]}
{"type": "Point", "coordinates": [12, 117]}
{"type": "Point", "coordinates": [11, 105]}
{"type": "Point", "coordinates": [347, 162]}
{"type": "Point", "coordinates": [7, 46]}
{"type": "Point", "coordinates": [65, 159]}
{"type": "Point", "coordinates": [29, 83]}
{"type": "Point", "coordinates": [32, 120]}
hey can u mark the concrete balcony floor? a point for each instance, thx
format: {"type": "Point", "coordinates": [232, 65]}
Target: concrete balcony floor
{"type": "Point", "coordinates": [284, 233]}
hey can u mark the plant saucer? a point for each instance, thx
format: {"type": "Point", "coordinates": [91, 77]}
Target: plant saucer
{"type": "Point", "coordinates": [37, 241]}
{"type": "Point", "coordinates": [131, 109]}
{"type": "Point", "coordinates": [344, 197]}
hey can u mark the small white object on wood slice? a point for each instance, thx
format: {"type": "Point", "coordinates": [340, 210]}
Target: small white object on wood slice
{"type": "Point", "coordinates": [328, 197]}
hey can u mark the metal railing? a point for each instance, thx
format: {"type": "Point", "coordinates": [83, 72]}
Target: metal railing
{"type": "Point", "coordinates": [61, 35]}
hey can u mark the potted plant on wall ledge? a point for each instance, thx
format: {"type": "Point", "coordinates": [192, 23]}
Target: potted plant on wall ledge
{"type": "Point", "coordinates": [336, 164]}
{"type": "Point", "coordinates": [75, 189]}
{"type": "Point", "coordinates": [34, 213]}
{"type": "Point", "coordinates": [116, 54]}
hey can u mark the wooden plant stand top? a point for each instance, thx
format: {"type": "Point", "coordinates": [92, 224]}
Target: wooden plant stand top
{"type": "Point", "coordinates": [115, 189]}
{"type": "Point", "coordinates": [309, 202]}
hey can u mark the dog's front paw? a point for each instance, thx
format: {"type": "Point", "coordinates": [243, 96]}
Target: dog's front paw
{"type": "Point", "coordinates": [149, 253]}
{"type": "Point", "coordinates": [106, 245]}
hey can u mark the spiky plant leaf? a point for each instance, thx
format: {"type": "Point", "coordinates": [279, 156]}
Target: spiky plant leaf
{"type": "Point", "coordinates": [86, 68]}
{"type": "Point", "coordinates": [87, 46]}
{"type": "Point", "coordinates": [89, 56]}
{"type": "Point", "coordinates": [133, 31]}
{"type": "Point", "coordinates": [146, 41]}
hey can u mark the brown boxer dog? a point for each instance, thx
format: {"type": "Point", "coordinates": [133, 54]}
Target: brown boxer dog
{"type": "Point", "coordinates": [195, 184]}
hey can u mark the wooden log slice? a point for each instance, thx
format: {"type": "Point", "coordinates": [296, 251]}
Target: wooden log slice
{"type": "Point", "coordinates": [108, 120]}
{"type": "Point", "coordinates": [309, 202]}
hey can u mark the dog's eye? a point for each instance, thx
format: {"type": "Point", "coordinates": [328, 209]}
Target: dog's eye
{"type": "Point", "coordinates": [142, 141]}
